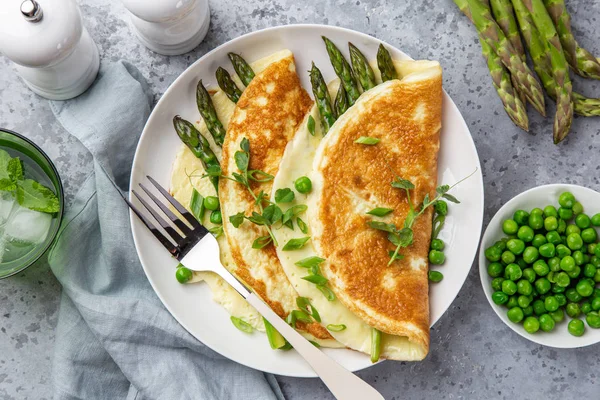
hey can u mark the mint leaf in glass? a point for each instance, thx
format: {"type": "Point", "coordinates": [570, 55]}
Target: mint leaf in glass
{"type": "Point", "coordinates": [6, 183]}
{"type": "Point", "coordinates": [35, 196]}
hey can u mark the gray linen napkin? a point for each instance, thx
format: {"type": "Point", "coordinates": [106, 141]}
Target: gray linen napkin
{"type": "Point", "coordinates": [115, 340]}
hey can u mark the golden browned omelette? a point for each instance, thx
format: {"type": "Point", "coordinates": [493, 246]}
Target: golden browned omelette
{"type": "Point", "coordinates": [351, 179]}
{"type": "Point", "coordinates": [267, 114]}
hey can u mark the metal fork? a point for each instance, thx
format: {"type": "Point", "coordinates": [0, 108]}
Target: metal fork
{"type": "Point", "coordinates": [198, 251]}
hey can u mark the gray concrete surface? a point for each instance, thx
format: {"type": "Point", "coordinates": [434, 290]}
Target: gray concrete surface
{"type": "Point", "coordinates": [473, 355]}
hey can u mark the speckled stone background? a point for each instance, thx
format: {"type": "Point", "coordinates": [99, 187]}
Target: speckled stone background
{"type": "Point", "coordinates": [473, 355]}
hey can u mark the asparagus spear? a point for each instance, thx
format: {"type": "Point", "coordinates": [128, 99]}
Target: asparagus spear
{"type": "Point", "coordinates": [361, 67]}
{"type": "Point", "coordinates": [513, 105]}
{"type": "Point", "coordinates": [541, 62]}
{"type": "Point", "coordinates": [242, 68]}
{"type": "Point", "coordinates": [560, 68]}
{"type": "Point", "coordinates": [385, 64]}
{"type": "Point", "coordinates": [341, 101]}
{"type": "Point", "coordinates": [582, 62]}
{"type": "Point", "coordinates": [197, 144]}
{"type": "Point", "coordinates": [209, 114]}
{"type": "Point", "coordinates": [481, 16]}
{"type": "Point", "coordinates": [322, 98]}
{"type": "Point", "coordinates": [227, 85]}
{"type": "Point", "coordinates": [343, 71]}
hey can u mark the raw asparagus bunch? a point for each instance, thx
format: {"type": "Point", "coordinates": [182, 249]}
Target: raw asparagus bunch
{"type": "Point", "coordinates": [227, 85]}
{"type": "Point", "coordinates": [581, 60]}
{"type": "Point", "coordinates": [242, 68]}
{"type": "Point", "coordinates": [560, 68]}
{"type": "Point", "coordinates": [385, 64]}
{"type": "Point", "coordinates": [198, 144]}
{"type": "Point", "coordinates": [209, 114]}
{"type": "Point", "coordinates": [343, 71]}
{"type": "Point", "coordinates": [362, 69]}
{"type": "Point", "coordinates": [322, 98]}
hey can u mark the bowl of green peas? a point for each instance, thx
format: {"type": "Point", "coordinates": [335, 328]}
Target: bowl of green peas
{"type": "Point", "coordinates": [539, 264]}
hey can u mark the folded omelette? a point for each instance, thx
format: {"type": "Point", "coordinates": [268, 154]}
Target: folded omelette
{"type": "Point", "coordinates": [350, 179]}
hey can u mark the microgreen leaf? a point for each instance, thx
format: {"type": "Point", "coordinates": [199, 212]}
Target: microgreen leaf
{"type": "Point", "coordinates": [216, 230]}
{"type": "Point", "coordinates": [311, 125]}
{"type": "Point", "coordinates": [295, 244]}
{"type": "Point", "coordinates": [442, 189]}
{"type": "Point", "coordinates": [258, 219]}
{"type": "Point", "coordinates": [406, 237]}
{"type": "Point", "coordinates": [451, 198]}
{"type": "Point", "coordinates": [241, 160]}
{"type": "Point", "coordinates": [285, 195]}
{"type": "Point", "coordinates": [403, 184]}
{"type": "Point", "coordinates": [310, 262]}
{"type": "Point", "coordinates": [261, 242]}
{"type": "Point", "coordinates": [380, 211]}
{"type": "Point", "coordinates": [240, 178]}
{"type": "Point", "coordinates": [212, 170]}
{"type": "Point", "coordinates": [272, 213]}
{"type": "Point", "coordinates": [395, 257]}
{"type": "Point", "coordinates": [370, 141]}
{"type": "Point", "coordinates": [410, 219]}
{"type": "Point", "coordinates": [302, 225]}
{"type": "Point", "coordinates": [237, 219]}
{"type": "Point", "coordinates": [293, 212]}
{"type": "Point", "coordinates": [245, 145]}
{"type": "Point", "coordinates": [382, 226]}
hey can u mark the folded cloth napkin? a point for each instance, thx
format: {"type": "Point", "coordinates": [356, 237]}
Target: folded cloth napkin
{"type": "Point", "coordinates": [115, 339]}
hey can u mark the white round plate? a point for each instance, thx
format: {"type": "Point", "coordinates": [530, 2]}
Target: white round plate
{"type": "Point", "coordinates": [540, 196]}
{"type": "Point", "coordinates": [191, 304]}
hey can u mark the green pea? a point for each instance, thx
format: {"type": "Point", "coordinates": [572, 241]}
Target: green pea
{"type": "Point", "coordinates": [562, 251]}
{"type": "Point", "coordinates": [538, 307]}
{"type": "Point", "coordinates": [524, 287]}
{"type": "Point", "coordinates": [539, 240]}
{"type": "Point", "coordinates": [589, 235]}
{"type": "Point", "coordinates": [536, 221]}
{"type": "Point", "coordinates": [515, 314]}
{"type": "Point", "coordinates": [521, 263]}
{"type": "Point", "coordinates": [586, 307]}
{"type": "Point", "coordinates": [523, 301]}
{"type": "Point", "coordinates": [574, 241]}
{"type": "Point", "coordinates": [577, 208]}
{"type": "Point", "coordinates": [595, 303]}
{"type": "Point", "coordinates": [508, 257]}
{"type": "Point", "coordinates": [495, 269]}
{"type": "Point", "coordinates": [525, 233]}
{"type": "Point", "coordinates": [501, 244]}
{"type": "Point", "coordinates": [565, 214]}
{"type": "Point", "coordinates": [537, 211]}
{"type": "Point", "coordinates": [573, 295]}
{"type": "Point", "coordinates": [596, 293]}
{"type": "Point", "coordinates": [516, 246]}
{"type": "Point", "coordinates": [551, 276]}
{"type": "Point", "coordinates": [597, 276]}
{"type": "Point", "coordinates": [576, 327]}
{"type": "Point", "coordinates": [542, 285]}
{"type": "Point", "coordinates": [303, 185]}
{"type": "Point", "coordinates": [437, 257]}
{"type": "Point", "coordinates": [566, 200]}
{"type": "Point", "coordinates": [561, 298]}
{"type": "Point", "coordinates": [513, 272]}
{"type": "Point", "coordinates": [550, 211]}
{"type": "Point", "coordinates": [558, 289]}
{"type": "Point", "coordinates": [437, 244]}
{"type": "Point", "coordinates": [551, 224]}
{"type": "Point", "coordinates": [216, 217]}
{"type": "Point", "coordinates": [497, 283]}
{"type": "Point", "coordinates": [499, 298]}
{"type": "Point", "coordinates": [441, 207]}
{"type": "Point", "coordinates": [558, 315]}
{"type": "Point", "coordinates": [547, 250]}
{"type": "Point", "coordinates": [554, 264]}
{"type": "Point", "coordinates": [572, 228]}
{"type": "Point", "coordinates": [575, 273]}
{"type": "Point", "coordinates": [593, 320]}
{"type": "Point", "coordinates": [562, 279]}
{"type": "Point", "coordinates": [567, 264]}
{"type": "Point", "coordinates": [529, 274]}
{"type": "Point", "coordinates": [597, 251]}
{"type": "Point", "coordinates": [211, 203]}
{"type": "Point", "coordinates": [596, 219]}
{"type": "Point", "coordinates": [546, 322]}
{"type": "Point", "coordinates": [510, 227]}
{"type": "Point", "coordinates": [512, 302]}
{"type": "Point", "coordinates": [579, 257]}
{"type": "Point", "coordinates": [530, 254]}
{"type": "Point", "coordinates": [183, 274]}
{"type": "Point", "coordinates": [584, 288]}
{"type": "Point", "coordinates": [541, 268]}
{"type": "Point", "coordinates": [573, 310]}
{"type": "Point", "coordinates": [521, 217]}
{"type": "Point", "coordinates": [562, 226]}
{"type": "Point", "coordinates": [527, 311]}
{"type": "Point", "coordinates": [592, 248]}
{"type": "Point", "coordinates": [553, 237]}
{"type": "Point", "coordinates": [595, 260]}
{"type": "Point", "coordinates": [583, 221]}
{"type": "Point", "coordinates": [435, 276]}
{"type": "Point", "coordinates": [531, 324]}
{"type": "Point", "coordinates": [509, 287]}
{"type": "Point", "coordinates": [550, 303]}
{"type": "Point", "coordinates": [493, 253]}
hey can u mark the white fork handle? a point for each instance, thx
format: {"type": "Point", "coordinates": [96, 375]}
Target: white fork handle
{"type": "Point", "coordinates": [342, 383]}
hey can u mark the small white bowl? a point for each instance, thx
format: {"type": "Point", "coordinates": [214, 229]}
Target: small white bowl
{"type": "Point", "coordinates": [540, 196]}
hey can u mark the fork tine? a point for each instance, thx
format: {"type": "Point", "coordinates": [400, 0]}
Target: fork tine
{"type": "Point", "coordinates": [181, 209]}
{"type": "Point", "coordinates": [174, 219]}
{"type": "Point", "coordinates": [161, 238]}
{"type": "Point", "coordinates": [164, 224]}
